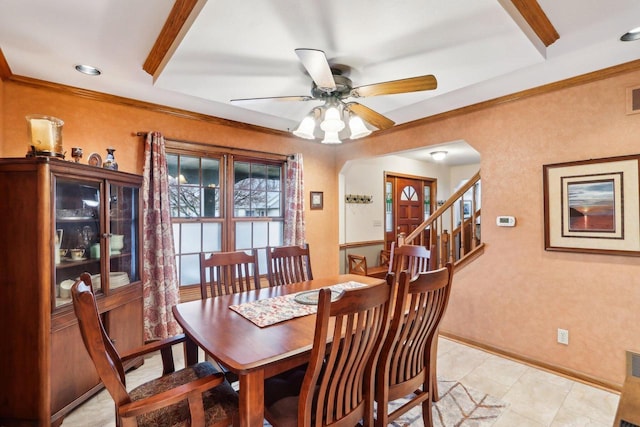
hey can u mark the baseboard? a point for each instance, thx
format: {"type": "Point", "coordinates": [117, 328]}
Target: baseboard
{"type": "Point", "coordinates": [554, 369]}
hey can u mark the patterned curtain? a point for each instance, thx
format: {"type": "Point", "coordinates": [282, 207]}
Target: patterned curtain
{"type": "Point", "coordinates": [159, 279]}
{"type": "Point", "coordinates": [294, 210]}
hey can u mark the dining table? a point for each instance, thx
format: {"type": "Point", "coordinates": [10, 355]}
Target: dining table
{"type": "Point", "coordinates": [250, 333]}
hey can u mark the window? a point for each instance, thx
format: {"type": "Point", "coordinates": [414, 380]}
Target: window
{"type": "Point", "coordinates": [214, 210]}
{"type": "Point", "coordinates": [258, 207]}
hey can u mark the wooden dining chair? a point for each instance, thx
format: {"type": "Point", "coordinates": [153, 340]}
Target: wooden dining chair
{"type": "Point", "coordinates": [416, 259]}
{"type": "Point", "coordinates": [404, 366]}
{"type": "Point", "coordinates": [357, 264]}
{"type": "Point", "coordinates": [336, 389]}
{"type": "Point", "coordinates": [197, 395]}
{"type": "Point", "coordinates": [228, 273]}
{"type": "Point", "coordinates": [288, 264]}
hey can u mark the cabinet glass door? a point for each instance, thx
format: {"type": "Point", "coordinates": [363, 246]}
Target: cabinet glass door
{"type": "Point", "coordinates": [123, 240]}
{"type": "Point", "coordinates": [77, 235]}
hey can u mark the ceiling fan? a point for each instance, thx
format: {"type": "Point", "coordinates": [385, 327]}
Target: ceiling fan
{"type": "Point", "coordinates": [332, 86]}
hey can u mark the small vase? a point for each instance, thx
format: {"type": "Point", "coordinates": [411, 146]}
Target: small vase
{"type": "Point", "coordinates": [110, 161]}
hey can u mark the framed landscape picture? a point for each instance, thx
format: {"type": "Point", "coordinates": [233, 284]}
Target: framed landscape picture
{"type": "Point", "coordinates": [593, 206]}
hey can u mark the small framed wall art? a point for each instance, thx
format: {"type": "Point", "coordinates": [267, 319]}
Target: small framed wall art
{"type": "Point", "coordinates": [317, 200]}
{"type": "Point", "coordinates": [593, 206]}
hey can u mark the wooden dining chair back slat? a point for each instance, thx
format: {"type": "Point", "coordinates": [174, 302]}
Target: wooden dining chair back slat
{"type": "Point", "coordinates": [196, 395]}
{"type": "Point", "coordinates": [337, 388]}
{"type": "Point", "coordinates": [288, 264]}
{"type": "Point", "coordinates": [226, 273]}
{"type": "Point", "coordinates": [411, 258]}
{"type": "Point", "coordinates": [405, 365]}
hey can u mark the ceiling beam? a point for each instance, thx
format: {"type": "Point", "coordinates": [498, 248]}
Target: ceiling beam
{"type": "Point", "coordinates": [183, 9]}
{"type": "Point", "coordinates": [537, 20]}
{"type": "Point", "coordinates": [173, 30]}
{"type": "Point", "coordinates": [5, 70]}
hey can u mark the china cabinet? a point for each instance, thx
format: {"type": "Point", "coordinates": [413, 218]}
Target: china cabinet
{"type": "Point", "coordinates": [59, 219]}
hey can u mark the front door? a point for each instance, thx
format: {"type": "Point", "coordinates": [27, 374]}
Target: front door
{"type": "Point", "coordinates": [410, 200]}
{"type": "Point", "coordinates": [409, 205]}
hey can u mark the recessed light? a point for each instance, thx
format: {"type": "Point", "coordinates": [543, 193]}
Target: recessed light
{"type": "Point", "coordinates": [88, 69]}
{"type": "Point", "coordinates": [631, 35]}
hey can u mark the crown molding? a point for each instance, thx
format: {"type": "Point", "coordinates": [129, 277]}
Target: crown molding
{"type": "Point", "coordinates": [517, 96]}
{"type": "Point", "coordinates": [114, 99]}
{"type": "Point", "coordinates": [99, 96]}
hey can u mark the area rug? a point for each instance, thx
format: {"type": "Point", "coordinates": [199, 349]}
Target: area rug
{"type": "Point", "coordinates": [459, 406]}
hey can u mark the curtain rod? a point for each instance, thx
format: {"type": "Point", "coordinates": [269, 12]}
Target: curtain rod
{"type": "Point", "coordinates": [286, 156]}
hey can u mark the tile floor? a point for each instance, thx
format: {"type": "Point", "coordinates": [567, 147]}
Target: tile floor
{"type": "Point", "coordinates": [536, 398]}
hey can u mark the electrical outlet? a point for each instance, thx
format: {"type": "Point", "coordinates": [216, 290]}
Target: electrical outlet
{"type": "Point", "coordinates": [563, 336]}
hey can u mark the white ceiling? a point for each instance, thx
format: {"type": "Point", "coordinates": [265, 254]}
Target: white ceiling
{"type": "Point", "coordinates": [478, 50]}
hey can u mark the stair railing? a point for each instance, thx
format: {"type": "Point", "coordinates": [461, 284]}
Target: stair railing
{"type": "Point", "coordinates": [453, 231]}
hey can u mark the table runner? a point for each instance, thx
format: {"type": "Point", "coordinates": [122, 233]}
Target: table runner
{"type": "Point", "coordinates": [268, 311]}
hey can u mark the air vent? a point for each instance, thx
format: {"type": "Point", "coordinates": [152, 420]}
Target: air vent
{"type": "Point", "coordinates": [633, 100]}
{"type": "Point", "coordinates": [623, 423]}
{"type": "Point", "coordinates": [635, 365]}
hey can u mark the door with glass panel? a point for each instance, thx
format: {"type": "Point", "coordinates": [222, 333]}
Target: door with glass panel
{"type": "Point", "coordinates": [409, 201]}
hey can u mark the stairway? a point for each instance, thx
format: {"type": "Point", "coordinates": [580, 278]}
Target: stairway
{"type": "Point", "coordinates": [454, 227]}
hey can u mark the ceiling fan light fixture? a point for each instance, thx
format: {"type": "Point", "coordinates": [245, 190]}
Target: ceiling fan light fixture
{"type": "Point", "coordinates": [306, 128]}
{"type": "Point", "coordinates": [332, 121]}
{"type": "Point", "coordinates": [331, 138]}
{"type": "Point", "coordinates": [358, 128]}
{"type": "Point", "coordinates": [438, 155]}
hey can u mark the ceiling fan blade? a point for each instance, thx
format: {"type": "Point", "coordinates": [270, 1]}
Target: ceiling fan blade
{"type": "Point", "coordinates": [316, 64]}
{"type": "Point", "coordinates": [275, 98]}
{"type": "Point", "coordinates": [370, 116]}
{"type": "Point", "coordinates": [413, 84]}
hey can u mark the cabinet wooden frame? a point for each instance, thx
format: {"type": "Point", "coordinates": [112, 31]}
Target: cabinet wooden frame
{"type": "Point", "coordinates": [46, 369]}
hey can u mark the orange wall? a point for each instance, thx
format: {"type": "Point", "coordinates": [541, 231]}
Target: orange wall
{"type": "Point", "coordinates": [95, 125]}
{"type": "Point", "coordinates": [516, 295]}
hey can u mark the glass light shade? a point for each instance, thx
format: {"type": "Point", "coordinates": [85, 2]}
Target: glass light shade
{"type": "Point", "coordinates": [358, 129]}
{"type": "Point", "coordinates": [438, 155]}
{"type": "Point", "coordinates": [332, 121]}
{"type": "Point", "coordinates": [331, 138]}
{"type": "Point", "coordinates": [305, 130]}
